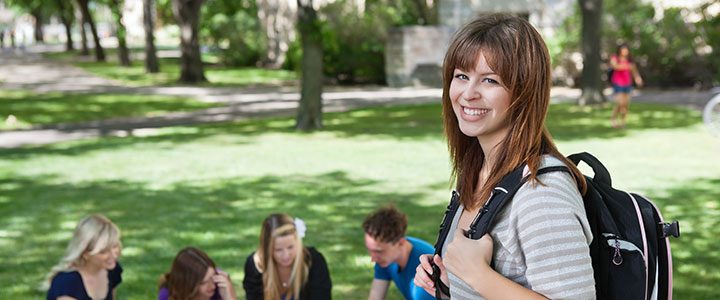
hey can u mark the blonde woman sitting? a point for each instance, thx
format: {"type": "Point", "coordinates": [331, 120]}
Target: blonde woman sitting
{"type": "Point", "coordinates": [282, 268]}
{"type": "Point", "coordinates": [89, 270]}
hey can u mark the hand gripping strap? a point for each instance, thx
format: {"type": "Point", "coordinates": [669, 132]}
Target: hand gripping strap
{"type": "Point", "coordinates": [500, 196]}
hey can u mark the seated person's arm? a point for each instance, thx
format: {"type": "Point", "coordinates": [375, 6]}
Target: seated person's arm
{"type": "Point", "coordinates": [65, 298]}
{"type": "Point", "coordinates": [379, 289]}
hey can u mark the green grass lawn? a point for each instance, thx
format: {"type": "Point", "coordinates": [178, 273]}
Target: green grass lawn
{"type": "Point", "coordinates": [211, 186]}
{"type": "Point", "coordinates": [31, 108]}
{"type": "Point", "coordinates": [170, 72]}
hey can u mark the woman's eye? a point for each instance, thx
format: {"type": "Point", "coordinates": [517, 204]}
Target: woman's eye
{"type": "Point", "coordinates": [462, 76]}
{"type": "Point", "coordinates": [490, 80]}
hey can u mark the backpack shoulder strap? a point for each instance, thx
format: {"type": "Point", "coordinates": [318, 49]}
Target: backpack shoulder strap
{"type": "Point", "coordinates": [500, 196]}
{"type": "Point", "coordinates": [450, 212]}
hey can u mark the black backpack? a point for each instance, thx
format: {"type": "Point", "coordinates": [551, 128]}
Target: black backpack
{"type": "Point", "coordinates": [630, 250]}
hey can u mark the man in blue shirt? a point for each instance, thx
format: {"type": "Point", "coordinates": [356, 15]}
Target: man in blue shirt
{"type": "Point", "coordinates": [396, 256]}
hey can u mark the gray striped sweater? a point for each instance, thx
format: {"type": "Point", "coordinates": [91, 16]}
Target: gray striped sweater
{"type": "Point", "coordinates": [541, 240]}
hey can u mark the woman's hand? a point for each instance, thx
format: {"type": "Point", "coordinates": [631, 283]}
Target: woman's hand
{"type": "Point", "coordinates": [463, 250]}
{"type": "Point", "coordinates": [225, 286]}
{"type": "Point", "coordinates": [425, 269]}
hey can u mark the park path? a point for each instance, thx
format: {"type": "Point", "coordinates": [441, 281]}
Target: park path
{"type": "Point", "coordinates": [29, 70]}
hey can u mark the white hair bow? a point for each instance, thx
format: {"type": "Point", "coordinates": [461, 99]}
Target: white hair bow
{"type": "Point", "coordinates": [300, 227]}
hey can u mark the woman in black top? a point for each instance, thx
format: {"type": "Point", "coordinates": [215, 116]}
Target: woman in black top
{"type": "Point", "coordinates": [89, 269]}
{"type": "Point", "coordinates": [282, 268]}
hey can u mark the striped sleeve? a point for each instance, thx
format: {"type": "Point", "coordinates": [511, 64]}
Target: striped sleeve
{"type": "Point", "coordinates": [551, 231]}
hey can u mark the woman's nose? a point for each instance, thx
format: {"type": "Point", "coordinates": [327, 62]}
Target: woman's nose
{"type": "Point", "coordinates": [471, 91]}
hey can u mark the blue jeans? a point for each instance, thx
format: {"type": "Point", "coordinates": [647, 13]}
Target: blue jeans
{"type": "Point", "coordinates": [621, 89]}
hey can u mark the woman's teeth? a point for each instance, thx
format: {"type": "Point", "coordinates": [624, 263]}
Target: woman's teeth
{"type": "Point", "coordinates": [471, 111]}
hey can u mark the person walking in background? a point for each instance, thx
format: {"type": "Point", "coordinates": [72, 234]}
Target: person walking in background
{"type": "Point", "coordinates": [89, 270]}
{"type": "Point", "coordinates": [624, 71]}
{"type": "Point", "coordinates": [193, 275]}
{"type": "Point", "coordinates": [282, 268]}
{"type": "Point", "coordinates": [396, 255]}
{"type": "Point", "coordinates": [12, 38]}
{"type": "Point", "coordinates": [496, 93]}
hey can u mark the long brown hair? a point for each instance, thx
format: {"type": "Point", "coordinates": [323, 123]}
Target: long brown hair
{"type": "Point", "coordinates": [274, 226]}
{"type": "Point", "coordinates": [517, 53]}
{"type": "Point", "coordinates": [187, 271]}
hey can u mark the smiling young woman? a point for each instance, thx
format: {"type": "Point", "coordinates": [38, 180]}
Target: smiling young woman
{"type": "Point", "coordinates": [89, 269]}
{"type": "Point", "coordinates": [496, 93]}
{"type": "Point", "coordinates": [283, 268]}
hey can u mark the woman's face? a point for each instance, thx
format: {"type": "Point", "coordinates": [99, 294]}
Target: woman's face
{"type": "Point", "coordinates": [206, 287]}
{"type": "Point", "coordinates": [285, 250]}
{"type": "Point", "coordinates": [624, 51]}
{"type": "Point", "coordinates": [480, 102]}
{"type": "Point", "coordinates": [106, 258]}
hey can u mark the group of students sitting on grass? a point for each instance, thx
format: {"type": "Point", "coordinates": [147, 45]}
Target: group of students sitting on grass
{"type": "Point", "coordinates": [281, 268]}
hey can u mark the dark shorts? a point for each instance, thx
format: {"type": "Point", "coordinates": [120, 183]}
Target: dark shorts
{"type": "Point", "coordinates": [621, 89]}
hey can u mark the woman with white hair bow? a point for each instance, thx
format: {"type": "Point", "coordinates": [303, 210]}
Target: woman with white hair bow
{"type": "Point", "coordinates": [282, 268]}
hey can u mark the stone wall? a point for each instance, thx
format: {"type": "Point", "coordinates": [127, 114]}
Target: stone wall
{"type": "Point", "coordinates": [414, 55]}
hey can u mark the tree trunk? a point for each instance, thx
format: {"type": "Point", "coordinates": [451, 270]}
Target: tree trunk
{"type": "Point", "coordinates": [66, 19]}
{"type": "Point", "coordinates": [123, 54]}
{"type": "Point", "coordinates": [187, 14]}
{"type": "Point", "coordinates": [99, 52]}
{"type": "Point", "coordinates": [591, 83]}
{"type": "Point", "coordinates": [151, 60]}
{"type": "Point", "coordinates": [37, 14]}
{"type": "Point", "coordinates": [309, 115]}
{"type": "Point", "coordinates": [427, 12]}
{"type": "Point", "coordinates": [83, 34]}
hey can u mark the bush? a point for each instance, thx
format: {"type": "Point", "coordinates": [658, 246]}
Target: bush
{"type": "Point", "coordinates": [234, 29]}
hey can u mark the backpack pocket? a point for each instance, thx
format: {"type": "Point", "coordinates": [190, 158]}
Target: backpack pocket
{"type": "Point", "coordinates": [627, 269]}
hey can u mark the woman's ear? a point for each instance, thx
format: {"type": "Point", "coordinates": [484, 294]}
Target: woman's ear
{"type": "Point", "coordinates": [84, 255]}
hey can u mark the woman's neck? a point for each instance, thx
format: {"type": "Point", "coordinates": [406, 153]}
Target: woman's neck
{"type": "Point", "coordinates": [284, 274]}
{"type": "Point", "coordinates": [490, 150]}
{"type": "Point", "coordinates": [91, 270]}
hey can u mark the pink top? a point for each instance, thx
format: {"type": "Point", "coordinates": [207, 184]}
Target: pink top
{"type": "Point", "coordinates": [621, 77]}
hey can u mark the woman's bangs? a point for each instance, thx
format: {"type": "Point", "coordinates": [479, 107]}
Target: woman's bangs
{"type": "Point", "coordinates": [466, 55]}
{"type": "Point", "coordinates": [284, 230]}
{"type": "Point", "coordinates": [107, 238]}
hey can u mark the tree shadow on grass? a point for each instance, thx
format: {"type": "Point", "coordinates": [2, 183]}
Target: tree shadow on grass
{"type": "Point", "coordinates": [404, 123]}
{"type": "Point", "coordinates": [696, 205]}
{"type": "Point", "coordinates": [222, 217]}
{"type": "Point", "coordinates": [50, 108]}
{"type": "Point", "coordinates": [567, 121]}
